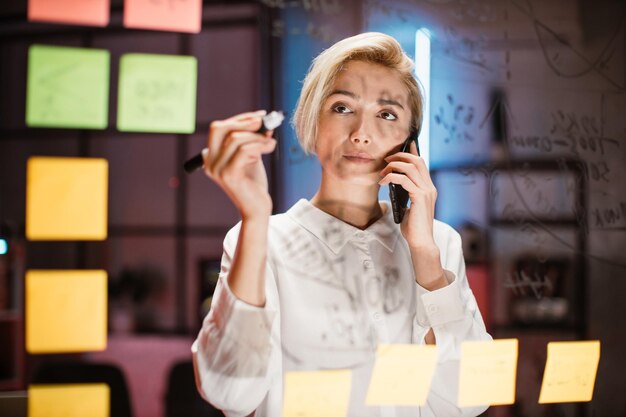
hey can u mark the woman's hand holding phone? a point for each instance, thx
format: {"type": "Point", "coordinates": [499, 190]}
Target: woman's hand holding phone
{"type": "Point", "coordinates": [234, 162]}
{"type": "Point", "coordinates": [409, 171]}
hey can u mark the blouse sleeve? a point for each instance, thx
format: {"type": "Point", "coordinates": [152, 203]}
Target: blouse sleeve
{"type": "Point", "coordinates": [236, 355]}
{"type": "Point", "coordinates": [452, 313]}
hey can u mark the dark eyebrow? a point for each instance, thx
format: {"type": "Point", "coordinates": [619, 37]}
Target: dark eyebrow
{"type": "Point", "coordinates": [381, 101]}
{"type": "Point", "coordinates": [345, 93]}
{"type": "Point", "coordinates": [389, 102]}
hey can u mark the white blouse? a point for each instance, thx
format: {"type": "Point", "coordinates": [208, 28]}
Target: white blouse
{"type": "Point", "coordinates": [333, 293]}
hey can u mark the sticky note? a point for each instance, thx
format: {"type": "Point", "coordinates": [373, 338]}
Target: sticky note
{"type": "Point", "coordinates": [570, 372]}
{"type": "Point", "coordinates": [67, 87]}
{"type": "Point", "coordinates": [69, 400]}
{"type": "Point", "coordinates": [317, 393]}
{"type": "Point", "coordinates": [66, 198]}
{"type": "Point", "coordinates": [487, 372]}
{"type": "Point", "coordinates": [75, 12]}
{"type": "Point", "coordinates": [157, 93]}
{"type": "Point", "coordinates": [402, 375]}
{"type": "Point", "coordinates": [170, 15]}
{"type": "Point", "coordinates": [66, 311]}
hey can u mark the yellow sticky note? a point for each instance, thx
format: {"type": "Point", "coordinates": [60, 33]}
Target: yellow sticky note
{"type": "Point", "coordinates": [66, 311]}
{"type": "Point", "coordinates": [317, 393]}
{"type": "Point", "coordinates": [570, 372]}
{"type": "Point", "coordinates": [69, 400]}
{"type": "Point", "coordinates": [66, 198]}
{"type": "Point", "coordinates": [487, 372]}
{"type": "Point", "coordinates": [402, 375]}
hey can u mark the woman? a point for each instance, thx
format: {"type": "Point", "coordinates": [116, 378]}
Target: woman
{"type": "Point", "coordinates": [320, 286]}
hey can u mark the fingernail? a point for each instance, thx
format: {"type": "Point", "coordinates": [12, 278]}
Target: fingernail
{"type": "Point", "coordinates": [261, 112]}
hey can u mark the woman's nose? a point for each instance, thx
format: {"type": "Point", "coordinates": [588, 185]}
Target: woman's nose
{"type": "Point", "coordinates": [363, 133]}
{"type": "Point", "coordinates": [360, 139]}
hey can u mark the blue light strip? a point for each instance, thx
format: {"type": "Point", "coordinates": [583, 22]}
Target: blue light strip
{"type": "Point", "coordinates": [422, 71]}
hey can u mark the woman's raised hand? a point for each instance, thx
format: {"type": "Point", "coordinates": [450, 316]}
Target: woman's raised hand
{"type": "Point", "coordinates": [234, 162]}
{"type": "Point", "coordinates": [409, 170]}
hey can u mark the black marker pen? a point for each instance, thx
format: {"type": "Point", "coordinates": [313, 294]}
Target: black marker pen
{"type": "Point", "coordinates": [269, 122]}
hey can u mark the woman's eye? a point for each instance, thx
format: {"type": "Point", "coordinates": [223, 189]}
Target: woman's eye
{"type": "Point", "coordinates": [340, 108]}
{"type": "Point", "coordinates": [388, 115]}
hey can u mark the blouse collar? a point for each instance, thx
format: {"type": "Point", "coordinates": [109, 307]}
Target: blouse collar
{"type": "Point", "coordinates": [335, 233]}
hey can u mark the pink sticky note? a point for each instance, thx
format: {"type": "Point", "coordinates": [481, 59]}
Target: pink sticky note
{"type": "Point", "coordinates": [74, 12]}
{"type": "Point", "coordinates": [170, 15]}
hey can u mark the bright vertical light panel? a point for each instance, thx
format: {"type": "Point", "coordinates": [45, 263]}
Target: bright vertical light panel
{"type": "Point", "coordinates": [422, 71]}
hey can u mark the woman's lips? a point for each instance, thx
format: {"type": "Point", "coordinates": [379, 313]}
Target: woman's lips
{"type": "Point", "coordinates": [359, 157]}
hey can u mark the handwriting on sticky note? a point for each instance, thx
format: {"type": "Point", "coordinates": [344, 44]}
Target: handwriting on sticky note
{"type": "Point", "coordinates": [487, 372]}
{"type": "Point", "coordinates": [157, 93]}
{"type": "Point", "coordinates": [67, 87]}
{"type": "Point", "coordinates": [171, 15]}
{"type": "Point", "coordinates": [402, 375]}
{"type": "Point", "coordinates": [317, 393]}
{"type": "Point", "coordinates": [570, 372]}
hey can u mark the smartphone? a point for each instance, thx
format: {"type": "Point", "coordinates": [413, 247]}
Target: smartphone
{"type": "Point", "coordinates": [399, 196]}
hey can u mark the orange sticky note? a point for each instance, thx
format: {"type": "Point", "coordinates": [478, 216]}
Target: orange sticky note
{"type": "Point", "coordinates": [69, 400]}
{"type": "Point", "coordinates": [487, 372]}
{"type": "Point", "coordinates": [402, 375]}
{"type": "Point", "coordinates": [570, 373]}
{"type": "Point", "coordinates": [66, 311]}
{"type": "Point", "coordinates": [169, 15]}
{"type": "Point", "coordinates": [74, 12]}
{"type": "Point", "coordinates": [66, 198]}
{"type": "Point", "coordinates": [317, 393]}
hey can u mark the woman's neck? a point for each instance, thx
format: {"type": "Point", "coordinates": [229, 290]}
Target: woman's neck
{"type": "Point", "coordinates": [356, 205]}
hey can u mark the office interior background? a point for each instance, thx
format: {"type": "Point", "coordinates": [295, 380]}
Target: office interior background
{"type": "Point", "coordinates": [525, 141]}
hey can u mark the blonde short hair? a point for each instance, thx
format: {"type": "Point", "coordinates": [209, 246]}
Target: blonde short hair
{"type": "Point", "coordinates": [371, 47]}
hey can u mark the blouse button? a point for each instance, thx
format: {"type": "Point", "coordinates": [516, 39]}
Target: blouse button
{"type": "Point", "coordinates": [367, 264]}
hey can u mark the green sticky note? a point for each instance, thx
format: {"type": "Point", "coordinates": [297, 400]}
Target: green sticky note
{"type": "Point", "coordinates": [67, 87]}
{"type": "Point", "coordinates": [157, 93]}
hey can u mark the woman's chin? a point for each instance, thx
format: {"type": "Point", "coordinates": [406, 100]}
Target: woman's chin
{"type": "Point", "coordinates": [369, 179]}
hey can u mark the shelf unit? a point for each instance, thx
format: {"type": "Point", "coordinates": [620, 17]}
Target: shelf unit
{"type": "Point", "coordinates": [520, 220]}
